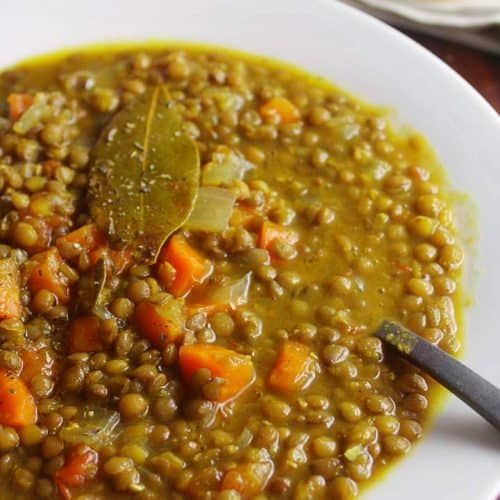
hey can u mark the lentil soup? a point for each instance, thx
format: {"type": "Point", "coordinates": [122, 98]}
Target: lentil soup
{"type": "Point", "coordinates": [237, 361]}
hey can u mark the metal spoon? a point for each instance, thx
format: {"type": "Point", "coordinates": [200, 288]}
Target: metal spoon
{"type": "Point", "coordinates": [482, 396]}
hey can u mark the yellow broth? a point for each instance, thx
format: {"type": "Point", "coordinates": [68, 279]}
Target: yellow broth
{"type": "Point", "coordinates": [374, 240]}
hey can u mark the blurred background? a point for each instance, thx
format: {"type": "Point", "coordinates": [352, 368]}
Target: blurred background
{"type": "Point", "coordinates": [464, 33]}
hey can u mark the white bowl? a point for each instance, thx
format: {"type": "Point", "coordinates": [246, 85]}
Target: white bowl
{"type": "Point", "coordinates": [459, 459]}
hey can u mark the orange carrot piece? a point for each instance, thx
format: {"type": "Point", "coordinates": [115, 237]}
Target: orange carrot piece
{"type": "Point", "coordinates": [237, 370]}
{"type": "Point", "coordinates": [10, 291]}
{"type": "Point", "coordinates": [119, 259]}
{"type": "Point", "coordinates": [248, 479]}
{"type": "Point", "coordinates": [160, 323]}
{"type": "Point", "coordinates": [49, 167]}
{"type": "Point", "coordinates": [36, 363]}
{"type": "Point", "coordinates": [87, 237]}
{"type": "Point", "coordinates": [84, 335]}
{"type": "Point", "coordinates": [294, 368]}
{"type": "Point", "coordinates": [82, 464]}
{"type": "Point", "coordinates": [92, 240]}
{"type": "Point", "coordinates": [17, 406]}
{"type": "Point", "coordinates": [43, 272]}
{"type": "Point", "coordinates": [282, 107]}
{"type": "Point", "coordinates": [270, 232]}
{"type": "Point", "coordinates": [18, 104]}
{"type": "Point", "coordinates": [190, 267]}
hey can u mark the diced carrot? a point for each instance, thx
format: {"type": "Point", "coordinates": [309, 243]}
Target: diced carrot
{"type": "Point", "coordinates": [237, 370]}
{"type": "Point", "coordinates": [10, 291]}
{"type": "Point", "coordinates": [119, 259]}
{"type": "Point", "coordinates": [248, 479]}
{"type": "Point", "coordinates": [81, 465]}
{"type": "Point", "coordinates": [18, 104]}
{"type": "Point", "coordinates": [57, 221]}
{"type": "Point", "coordinates": [161, 323]}
{"type": "Point", "coordinates": [17, 406]}
{"type": "Point", "coordinates": [91, 240]}
{"type": "Point", "coordinates": [270, 232]}
{"type": "Point", "coordinates": [49, 167]}
{"type": "Point", "coordinates": [84, 335]}
{"type": "Point", "coordinates": [190, 267]}
{"type": "Point", "coordinates": [294, 368]}
{"type": "Point", "coordinates": [282, 107]}
{"type": "Point", "coordinates": [87, 238]}
{"type": "Point", "coordinates": [36, 363]}
{"type": "Point", "coordinates": [43, 273]}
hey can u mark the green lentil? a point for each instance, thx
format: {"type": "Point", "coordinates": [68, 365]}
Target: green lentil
{"type": "Point", "coordinates": [359, 231]}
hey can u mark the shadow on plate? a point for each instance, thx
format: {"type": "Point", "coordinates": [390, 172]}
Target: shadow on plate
{"type": "Point", "coordinates": [469, 429]}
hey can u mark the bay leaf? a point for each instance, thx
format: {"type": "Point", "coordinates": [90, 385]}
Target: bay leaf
{"type": "Point", "coordinates": [92, 293]}
{"type": "Point", "coordinates": [144, 175]}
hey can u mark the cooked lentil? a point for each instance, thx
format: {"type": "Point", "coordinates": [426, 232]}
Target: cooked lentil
{"type": "Point", "coordinates": [338, 223]}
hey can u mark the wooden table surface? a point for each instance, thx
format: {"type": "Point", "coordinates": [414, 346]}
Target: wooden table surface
{"type": "Point", "coordinates": [478, 68]}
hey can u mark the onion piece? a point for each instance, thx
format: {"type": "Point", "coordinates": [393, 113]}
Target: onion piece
{"type": "Point", "coordinates": [233, 294]}
{"type": "Point", "coordinates": [225, 167]}
{"type": "Point", "coordinates": [377, 169]}
{"type": "Point", "coordinates": [354, 452]}
{"type": "Point", "coordinates": [225, 98]}
{"type": "Point", "coordinates": [97, 427]}
{"type": "Point", "coordinates": [244, 439]}
{"type": "Point", "coordinates": [32, 116]}
{"type": "Point", "coordinates": [212, 210]}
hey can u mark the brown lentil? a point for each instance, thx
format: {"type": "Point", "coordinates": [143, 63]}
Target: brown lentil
{"type": "Point", "coordinates": [360, 231]}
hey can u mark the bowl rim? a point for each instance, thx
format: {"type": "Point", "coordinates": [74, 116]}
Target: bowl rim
{"type": "Point", "coordinates": [481, 114]}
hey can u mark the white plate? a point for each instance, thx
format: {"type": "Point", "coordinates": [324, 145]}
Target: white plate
{"type": "Point", "coordinates": [458, 14]}
{"type": "Point", "coordinates": [459, 459]}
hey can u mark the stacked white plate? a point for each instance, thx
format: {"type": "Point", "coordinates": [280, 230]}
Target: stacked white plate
{"type": "Point", "coordinates": [456, 13]}
{"type": "Point", "coordinates": [470, 22]}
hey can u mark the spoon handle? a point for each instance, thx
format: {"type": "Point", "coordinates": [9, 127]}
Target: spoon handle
{"type": "Point", "coordinates": [482, 396]}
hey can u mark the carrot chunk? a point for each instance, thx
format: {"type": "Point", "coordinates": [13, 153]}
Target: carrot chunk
{"type": "Point", "coordinates": [237, 370]}
{"type": "Point", "coordinates": [17, 406]}
{"type": "Point", "coordinates": [161, 323]}
{"type": "Point", "coordinates": [294, 368]}
{"type": "Point", "coordinates": [43, 271]}
{"type": "Point", "coordinates": [81, 465]}
{"type": "Point", "coordinates": [270, 232]}
{"type": "Point", "coordinates": [282, 107]}
{"type": "Point", "coordinates": [18, 104]}
{"type": "Point", "coordinates": [10, 291]}
{"type": "Point", "coordinates": [248, 479]}
{"type": "Point", "coordinates": [86, 238]}
{"type": "Point", "coordinates": [190, 267]}
{"type": "Point", "coordinates": [91, 240]}
{"type": "Point", "coordinates": [36, 363]}
{"type": "Point", "coordinates": [119, 259]}
{"type": "Point", "coordinates": [49, 167]}
{"type": "Point", "coordinates": [84, 335]}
